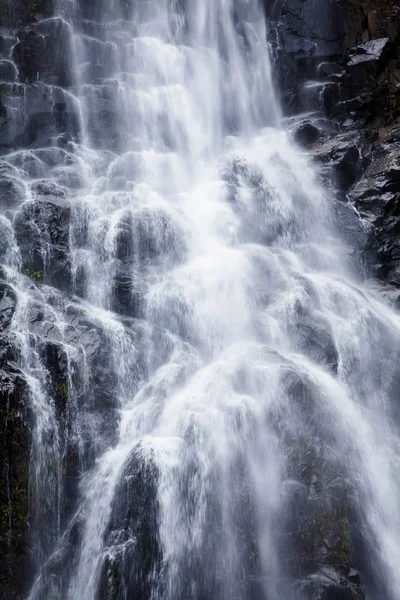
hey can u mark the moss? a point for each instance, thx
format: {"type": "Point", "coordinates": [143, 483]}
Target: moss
{"type": "Point", "coordinates": [62, 390]}
{"type": "Point", "coordinates": [36, 276]}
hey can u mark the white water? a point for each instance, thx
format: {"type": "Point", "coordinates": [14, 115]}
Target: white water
{"type": "Point", "coordinates": [235, 259]}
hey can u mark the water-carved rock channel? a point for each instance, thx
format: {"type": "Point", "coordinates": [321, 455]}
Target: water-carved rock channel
{"type": "Point", "coordinates": [199, 342]}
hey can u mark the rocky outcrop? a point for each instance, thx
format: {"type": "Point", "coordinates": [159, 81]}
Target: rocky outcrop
{"type": "Point", "coordinates": [42, 232]}
{"type": "Point", "coordinates": [341, 68]}
{"type": "Point", "coordinates": [345, 68]}
{"type": "Point", "coordinates": [16, 422]}
{"type": "Point", "coordinates": [15, 436]}
{"type": "Point", "coordinates": [339, 57]}
{"type": "Point", "coordinates": [134, 552]}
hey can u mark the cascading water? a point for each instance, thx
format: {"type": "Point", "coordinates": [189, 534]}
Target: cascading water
{"type": "Point", "coordinates": [217, 334]}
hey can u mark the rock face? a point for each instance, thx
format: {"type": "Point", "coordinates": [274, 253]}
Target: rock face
{"type": "Point", "coordinates": [338, 64]}
{"type": "Point", "coordinates": [42, 232]}
{"type": "Point", "coordinates": [344, 67]}
{"type": "Point", "coordinates": [16, 422]}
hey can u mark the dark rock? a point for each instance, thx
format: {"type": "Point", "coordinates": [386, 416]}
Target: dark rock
{"type": "Point", "coordinates": [15, 443]}
{"type": "Point", "coordinates": [42, 232]}
{"type": "Point", "coordinates": [43, 53]}
{"type": "Point", "coordinates": [29, 56]}
{"type": "Point", "coordinates": [12, 193]}
{"type": "Point", "coordinates": [34, 115]}
{"type": "Point", "coordinates": [306, 135]}
{"type": "Point", "coordinates": [133, 561]}
{"type": "Point", "coordinates": [8, 301]}
{"type": "Point", "coordinates": [26, 11]}
{"type": "Point", "coordinates": [8, 71]}
{"type": "Point", "coordinates": [7, 39]}
{"type": "Point", "coordinates": [343, 159]}
{"type": "Point", "coordinates": [126, 299]}
{"type": "Point", "coordinates": [329, 584]}
{"type": "Point", "coordinates": [316, 341]}
{"type": "Point", "coordinates": [377, 197]}
{"type": "Point", "coordinates": [366, 56]}
{"type": "Point", "coordinates": [312, 27]}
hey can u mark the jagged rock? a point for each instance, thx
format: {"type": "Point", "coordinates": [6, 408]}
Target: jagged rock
{"type": "Point", "coordinates": [316, 341]}
{"type": "Point", "coordinates": [306, 134]}
{"type": "Point", "coordinates": [34, 115]}
{"type": "Point", "coordinates": [42, 232]}
{"type": "Point", "coordinates": [8, 301]}
{"type": "Point", "coordinates": [343, 159]}
{"type": "Point", "coordinates": [377, 198]}
{"type": "Point", "coordinates": [126, 296]}
{"type": "Point", "coordinates": [133, 560]}
{"type": "Point", "coordinates": [366, 56]}
{"type": "Point", "coordinates": [43, 53]}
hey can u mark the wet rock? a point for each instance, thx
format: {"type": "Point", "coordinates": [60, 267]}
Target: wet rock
{"type": "Point", "coordinates": [43, 53]}
{"type": "Point", "coordinates": [356, 232]}
{"type": "Point", "coordinates": [29, 56]}
{"type": "Point", "coordinates": [101, 396]}
{"type": "Point", "coordinates": [313, 28]}
{"type": "Point", "coordinates": [377, 196]}
{"type": "Point", "coordinates": [307, 35]}
{"type": "Point", "coordinates": [56, 361]}
{"type": "Point", "coordinates": [28, 11]}
{"type": "Point", "coordinates": [8, 302]}
{"type": "Point", "coordinates": [124, 240]}
{"type": "Point", "coordinates": [15, 441]}
{"type": "Point", "coordinates": [42, 232]}
{"type": "Point", "coordinates": [7, 39]}
{"type": "Point", "coordinates": [364, 59]}
{"type": "Point", "coordinates": [329, 584]}
{"type": "Point", "coordinates": [343, 158]}
{"type": "Point", "coordinates": [8, 71]}
{"type": "Point", "coordinates": [133, 560]}
{"type": "Point", "coordinates": [34, 115]}
{"type": "Point", "coordinates": [306, 135]}
{"type": "Point", "coordinates": [126, 300]}
{"type": "Point", "coordinates": [12, 193]}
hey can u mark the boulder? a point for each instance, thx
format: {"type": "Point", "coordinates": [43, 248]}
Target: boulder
{"type": "Point", "coordinates": [329, 584]}
{"type": "Point", "coordinates": [343, 159]}
{"type": "Point", "coordinates": [42, 233]}
{"type": "Point", "coordinates": [8, 302]}
{"type": "Point", "coordinates": [306, 134]}
{"type": "Point", "coordinates": [8, 71]}
{"type": "Point", "coordinates": [132, 564]}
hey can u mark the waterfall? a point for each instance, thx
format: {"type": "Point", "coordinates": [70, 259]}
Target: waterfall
{"type": "Point", "coordinates": [227, 378]}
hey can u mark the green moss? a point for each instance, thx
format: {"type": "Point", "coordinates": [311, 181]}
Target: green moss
{"type": "Point", "coordinates": [62, 390]}
{"type": "Point", "coordinates": [36, 276]}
